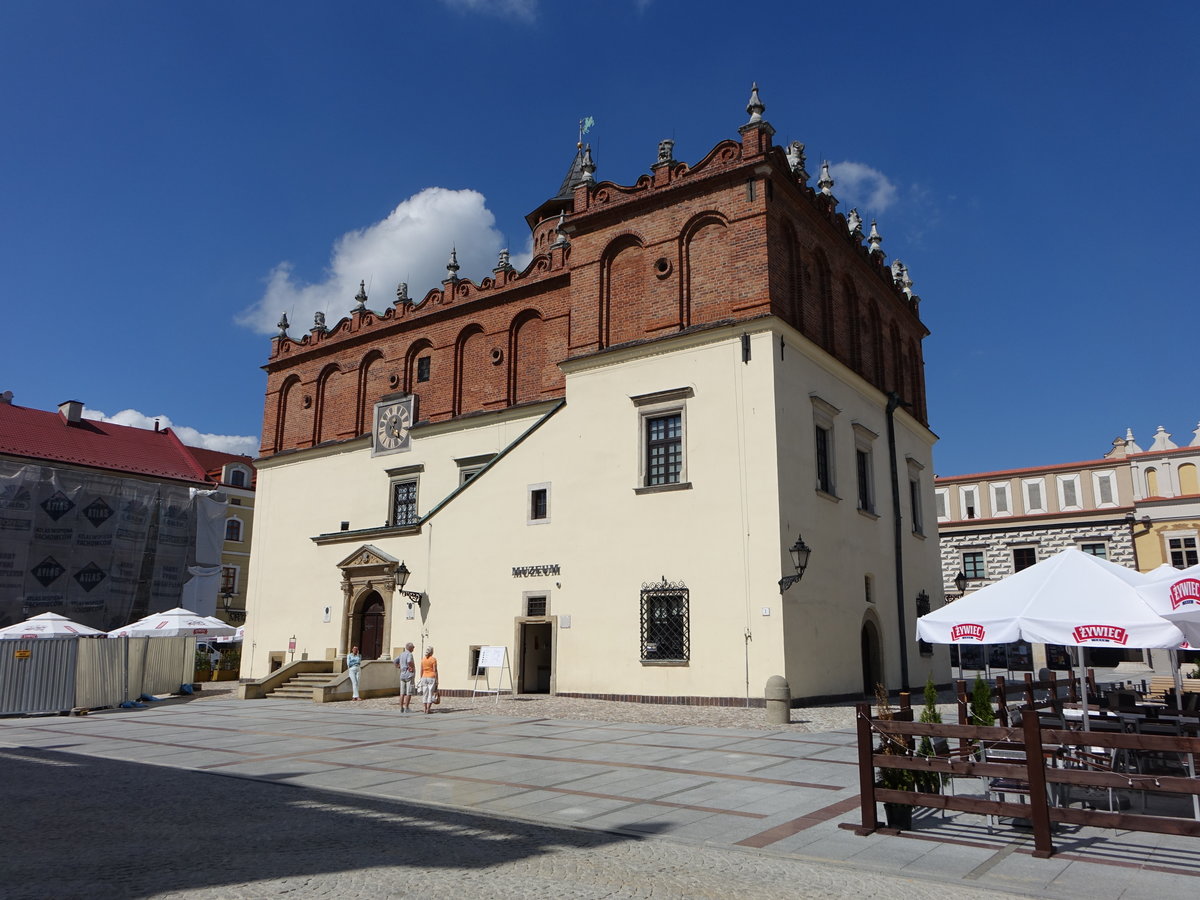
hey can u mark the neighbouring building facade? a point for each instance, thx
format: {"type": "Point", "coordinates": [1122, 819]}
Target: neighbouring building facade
{"type": "Point", "coordinates": [235, 476]}
{"type": "Point", "coordinates": [599, 463]}
{"type": "Point", "coordinates": [104, 523]}
{"type": "Point", "coordinates": [1139, 508]}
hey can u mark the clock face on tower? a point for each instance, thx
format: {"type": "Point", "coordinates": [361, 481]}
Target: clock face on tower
{"type": "Point", "coordinates": [393, 419]}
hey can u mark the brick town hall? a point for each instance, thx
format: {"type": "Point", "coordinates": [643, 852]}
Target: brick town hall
{"type": "Point", "coordinates": [602, 462]}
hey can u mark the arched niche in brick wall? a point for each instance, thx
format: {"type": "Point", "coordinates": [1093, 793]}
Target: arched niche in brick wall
{"type": "Point", "coordinates": [624, 271]}
{"type": "Point", "coordinates": [329, 402]}
{"type": "Point", "coordinates": [526, 357]}
{"type": "Point", "coordinates": [372, 384]}
{"type": "Point", "coordinates": [471, 369]}
{"type": "Point", "coordinates": [708, 269]}
{"type": "Point", "coordinates": [289, 413]}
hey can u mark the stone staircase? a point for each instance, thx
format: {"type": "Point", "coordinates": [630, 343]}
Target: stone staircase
{"type": "Point", "coordinates": [300, 686]}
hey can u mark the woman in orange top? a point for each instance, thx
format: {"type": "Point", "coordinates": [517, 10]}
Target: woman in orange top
{"type": "Point", "coordinates": [429, 678]}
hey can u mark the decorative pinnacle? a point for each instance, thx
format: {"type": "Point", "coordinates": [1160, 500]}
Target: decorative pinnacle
{"type": "Point", "coordinates": [402, 292]}
{"type": "Point", "coordinates": [282, 325]}
{"type": "Point", "coordinates": [900, 276]}
{"type": "Point", "coordinates": [361, 296]}
{"type": "Point", "coordinates": [826, 181]}
{"type": "Point", "coordinates": [561, 231]}
{"type": "Point", "coordinates": [588, 167]}
{"type": "Point", "coordinates": [504, 262]}
{"type": "Point", "coordinates": [854, 223]}
{"type": "Point", "coordinates": [452, 266]}
{"type": "Point", "coordinates": [755, 107]}
{"type": "Point", "coordinates": [875, 239]}
{"type": "Point", "coordinates": [796, 159]}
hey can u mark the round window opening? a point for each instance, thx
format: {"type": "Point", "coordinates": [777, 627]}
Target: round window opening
{"type": "Point", "coordinates": [662, 267]}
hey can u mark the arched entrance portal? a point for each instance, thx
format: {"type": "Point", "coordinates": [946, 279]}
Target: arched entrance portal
{"type": "Point", "coordinates": [872, 663]}
{"type": "Point", "coordinates": [369, 626]}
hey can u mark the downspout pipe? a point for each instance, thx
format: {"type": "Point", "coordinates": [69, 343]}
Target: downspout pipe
{"type": "Point", "coordinates": [894, 402]}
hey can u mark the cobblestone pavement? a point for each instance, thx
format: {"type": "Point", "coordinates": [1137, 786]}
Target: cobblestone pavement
{"type": "Point", "coordinates": [97, 828]}
{"type": "Point", "coordinates": [533, 796]}
{"type": "Point", "coordinates": [808, 720]}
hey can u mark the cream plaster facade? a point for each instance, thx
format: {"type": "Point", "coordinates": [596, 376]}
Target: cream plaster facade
{"type": "Point", "coordinates": [747, 491]}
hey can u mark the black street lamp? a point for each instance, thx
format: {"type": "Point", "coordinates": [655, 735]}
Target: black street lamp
{"type": "Point", "coordinates": [800, 552]}
{"type": "Point", "coordinates": [960, 584]}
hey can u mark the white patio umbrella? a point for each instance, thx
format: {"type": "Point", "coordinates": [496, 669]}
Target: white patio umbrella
{"type": "Point", "coordinates": [178, 622]}
{"type": "Point", "coordinates": [1072, 598]}
{"type": "Point", "coordinates": [235, 638]}
{"type": "Point", "coordinates": [1175, 595]}
{"type": "Point", "coordinates": [46, 625]}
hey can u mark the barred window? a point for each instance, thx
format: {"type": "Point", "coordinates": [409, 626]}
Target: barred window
{"type": "Point", "coordinates": [665, 629]}
{"type": "Point", "coordinates": [404, 502]}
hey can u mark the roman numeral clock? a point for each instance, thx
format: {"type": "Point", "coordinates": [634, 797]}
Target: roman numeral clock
{"type": "Point", "coordinates": [393, 419]}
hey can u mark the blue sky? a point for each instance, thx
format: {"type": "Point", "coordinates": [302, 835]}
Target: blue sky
{"type": "Point", "coordinates": [173, 176]}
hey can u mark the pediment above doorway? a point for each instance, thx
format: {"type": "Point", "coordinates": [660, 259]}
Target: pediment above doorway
{"type": "Point", "coordinates": [368, 568]}
{"type": "Point", "coordinates": [368, 556]}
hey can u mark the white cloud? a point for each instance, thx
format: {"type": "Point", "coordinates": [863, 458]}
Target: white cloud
{"type": "Point", "coordinates": [526, 10]}
{"type": "Point", "coordinates": [247, 445]}
{"type": "Point", "coordinates": [411, 245]}
{"type": "Point", "coordinates": [859, 185]}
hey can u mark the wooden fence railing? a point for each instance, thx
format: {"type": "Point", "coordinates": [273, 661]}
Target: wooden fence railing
{"type": "Point", "coordinates": [1047, 763]}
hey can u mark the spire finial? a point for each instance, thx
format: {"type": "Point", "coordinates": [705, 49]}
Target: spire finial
{"type": "Point", "coordinates": [755, 107]}
{"type": "Point", "coordinates": [318, 321]}
{"type": "Point", "coordinates": [282, 325]}
{"type": "Point", "coordinates": [587, 166]}
{"type": "Point", "coordinates": [561, 231]}
{"type": "Point", "coordinates": [900, 276]}
{"type": "Point", "coordinates": [826, 181]}
{"type": "Point", "coordinates": [402, 292]}
{"type": "Point", "coordinates": [875, 239]}
{"type": "Point", "coordinates": [361, 296]}
{"type": "Point", "coordinates": [452, 266]}
{"type": "Point", "coordinates": [504, 262]}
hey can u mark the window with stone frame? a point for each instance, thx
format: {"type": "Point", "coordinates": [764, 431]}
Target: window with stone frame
{"type": "Point", "coordinates": [864, 465]}
{"type": "Point", "coordinates": [662, 424]}
{"type": "Point", "coordinates": [538, 508]}
{"type": "Point", "coordinates": [1183, 551]}
{"type": "Point", "coordinates": [666, 636]}
{"type": "Point", "coordinates": [403, 491]}
{"type": "Point", "coordinates": [824, 445]}
{"type": "Point", "coordinates": [1099, 549]}
{"type": "Point", "coordinates": [404, 502]}
{"type": "Point", "coordinates": [1024, 557]}
{"type": "Point", "coordinates": [973, 565]}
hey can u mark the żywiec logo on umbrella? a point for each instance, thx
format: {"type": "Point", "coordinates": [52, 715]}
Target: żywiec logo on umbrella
{"type": "Point", "coordinates": [1185, 592]}
{"type": "Point", "coordinates": [1112, 634]}
{"type": "Point", "coordinates": [966, 632]}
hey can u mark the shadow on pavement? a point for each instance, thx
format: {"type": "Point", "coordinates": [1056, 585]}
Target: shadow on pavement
{"type": "Point", "coordinates": [80, 826]}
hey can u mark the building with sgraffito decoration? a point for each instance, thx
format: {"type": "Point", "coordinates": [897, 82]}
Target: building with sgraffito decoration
{"type": "Point", "coordinates": [600, 463]}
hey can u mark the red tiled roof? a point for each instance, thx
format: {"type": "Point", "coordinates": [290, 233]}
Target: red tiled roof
{"type": "Point", "coordinates": [214, 461]}
{"type": "Point", "coordinates": [40, 435]}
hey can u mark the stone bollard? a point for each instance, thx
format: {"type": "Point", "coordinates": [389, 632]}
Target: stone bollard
{"type": "Point", "coordinates": [779, 700]}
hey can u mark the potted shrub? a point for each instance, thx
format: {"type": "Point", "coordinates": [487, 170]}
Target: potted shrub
{"type": "Point", "coordinates": [899, 815]}
{"type": "Point", "coordinates": [982, 714]}
{"type": "Point", "coordinates": [929, 782]}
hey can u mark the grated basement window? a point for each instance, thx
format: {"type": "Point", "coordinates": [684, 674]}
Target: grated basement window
{"type": "Point", "coordinates": [665, 630]}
